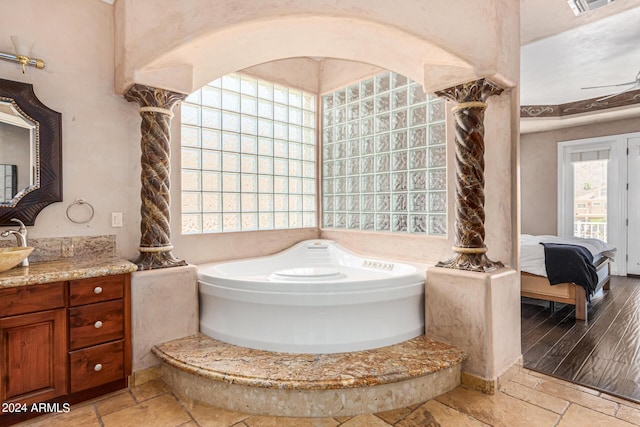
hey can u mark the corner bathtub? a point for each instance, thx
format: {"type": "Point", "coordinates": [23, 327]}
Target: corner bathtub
{"type": "Point", "coordinates": [315, 297]}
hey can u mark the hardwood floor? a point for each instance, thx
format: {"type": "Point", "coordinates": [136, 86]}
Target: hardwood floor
{"type": "Point", "coordinates": [603, 353]}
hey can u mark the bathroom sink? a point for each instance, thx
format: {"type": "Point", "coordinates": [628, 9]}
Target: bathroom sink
{"type": "Point", "coordinates": [10, 257]}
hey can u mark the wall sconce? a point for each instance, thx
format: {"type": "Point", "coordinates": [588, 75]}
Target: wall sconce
{"type": "Point", "coordinates": [22, 55]}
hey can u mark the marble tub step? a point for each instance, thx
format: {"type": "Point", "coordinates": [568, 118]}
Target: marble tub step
{"type": "Point", "coordinates": [309, 385]}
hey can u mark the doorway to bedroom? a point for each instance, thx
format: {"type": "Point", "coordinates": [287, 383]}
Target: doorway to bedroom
{"type": "Point", "coordinates": [599, 194]}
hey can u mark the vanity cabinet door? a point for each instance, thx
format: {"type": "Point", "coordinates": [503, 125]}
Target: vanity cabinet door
{"type": "Point", "coordinates": [33, 356]}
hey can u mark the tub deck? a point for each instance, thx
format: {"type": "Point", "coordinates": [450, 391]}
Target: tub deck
{"type": "Point", "coordinates": [288, 384]}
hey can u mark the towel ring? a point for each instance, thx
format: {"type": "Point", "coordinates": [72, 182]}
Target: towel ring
{"type": "Point", "coordinates": [80, 202]}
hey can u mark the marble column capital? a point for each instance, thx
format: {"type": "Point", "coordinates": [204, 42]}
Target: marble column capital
{"type": "Point", "coordinates": [475, 91]}
{"type": "Point", "coordinates": [148, 96]}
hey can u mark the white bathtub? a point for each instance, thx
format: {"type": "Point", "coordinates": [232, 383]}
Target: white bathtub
{"type": "Point", "coordinates": [315, 297]}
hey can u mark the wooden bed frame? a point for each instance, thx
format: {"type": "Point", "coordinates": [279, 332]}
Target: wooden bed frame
{"type": "Point", "coordinates": [538, 287]}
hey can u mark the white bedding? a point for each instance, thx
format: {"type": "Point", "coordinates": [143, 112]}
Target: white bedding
{"type": "Point", "coordinates": [532, 252]}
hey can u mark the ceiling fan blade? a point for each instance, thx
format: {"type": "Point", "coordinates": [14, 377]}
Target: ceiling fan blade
{"type": "Point", "coordinates": [620, 84]}
{"type": "Point", "coordinates": [635, 86]}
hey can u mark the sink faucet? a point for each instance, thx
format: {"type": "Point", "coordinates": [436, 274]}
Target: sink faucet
{"type": "Point", "coordinates": [21, 238]}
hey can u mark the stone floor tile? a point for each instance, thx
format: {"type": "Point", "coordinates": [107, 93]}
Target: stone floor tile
{"type": "Point", "coordinates": [209, 416]}
{"type": "Point", "coordinates": [525, 379]}
{"type": "Point", "coordinates": [365, 421]}
{"type": "Point", "coordinates": [84, 416]}
{"type": "Point", "coordinates": [149, 389]}
{"type": "Point", "coordinates": [572, 394]}
{"type": "Point", "coordinates": [412, 407]}
{"type": "Point", "coordinates": [629, 414]}
{"type": "Point", "coordinates": [434, 413]}
{"type": "Point", "coordinates": [393, 416]}
{"type": "Point", "coordinates": [342, 419]}
{"type": "Point", "coordinates": [191, 424]}
{"type": "Point", "coordinates": [266, 421]}
{"type": "Point", "coordinates": [114, 403]}
{"type": "Point", "coordinates": [162, 410]}
{"type": "Point", "coordinates": [620, 400]}
{"type": "Point", "coordinates": [33, 421]}
{"type": "Point", "coordinates": [579, 416]}
{"type": "Point", "coordinates": [538, 398]}
{"type": "Point", "coordinates": [498, 410]}
{"type": "Point", "coordinates": [566, 383]}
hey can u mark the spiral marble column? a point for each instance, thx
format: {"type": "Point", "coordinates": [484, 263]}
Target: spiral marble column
{"type": "Point", "coordinates": [155, 109]}
{"type": "Point", "coordinates": [470, 250]}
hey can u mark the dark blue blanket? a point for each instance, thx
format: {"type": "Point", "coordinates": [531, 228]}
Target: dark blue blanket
{"type": "Point", "coordinates": [570, 264]}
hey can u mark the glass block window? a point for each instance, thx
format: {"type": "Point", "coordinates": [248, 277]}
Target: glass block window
{"type": "Point", "coordinates": [384, 157]}
{"type": "Point", "coordinates": [248, 157]}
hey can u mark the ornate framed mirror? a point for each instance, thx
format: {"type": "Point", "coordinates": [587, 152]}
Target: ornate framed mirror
{"type": "Point", "coordinates": [30, 154]}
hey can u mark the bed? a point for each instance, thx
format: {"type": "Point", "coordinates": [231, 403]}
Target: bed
{"type": "Point", "coordinates": [535, 282]}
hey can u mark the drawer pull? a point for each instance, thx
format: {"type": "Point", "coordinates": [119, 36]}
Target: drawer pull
{"type": "Point", "coordinates": [98, 367]}
{"type": "Point", "coordinates": [98, 324]}
{"type": "Point", "coordinates": [97, 290]}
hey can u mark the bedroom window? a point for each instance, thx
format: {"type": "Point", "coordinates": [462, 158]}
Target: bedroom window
{"type": "Point", "coordinates": [384, 157]}
{"type": "Point", "coordinates": [248, 157]}
{"type": "Point", "coordinates": [590, 178]}
{"type": "Point", "coordinates": [587, 173]}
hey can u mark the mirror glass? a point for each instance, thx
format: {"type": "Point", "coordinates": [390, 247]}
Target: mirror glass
{"type": "Point", "coordinates": [18, 150]}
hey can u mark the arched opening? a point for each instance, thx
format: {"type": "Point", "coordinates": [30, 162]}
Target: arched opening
{"type": "Point", "coordinates": [200, 59]}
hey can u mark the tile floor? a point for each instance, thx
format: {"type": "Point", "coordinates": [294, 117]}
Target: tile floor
{"type": "Point", "coordinates": [529, 399]}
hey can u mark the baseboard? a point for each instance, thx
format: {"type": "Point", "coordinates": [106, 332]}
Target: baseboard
{"type": "Point", "coordinates": [490, 386]}
{"type": "Point", "coordinates": [144, 376]}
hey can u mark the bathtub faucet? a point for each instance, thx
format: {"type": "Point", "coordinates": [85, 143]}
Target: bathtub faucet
{"type": "Point", "coordinates": [21, 238]}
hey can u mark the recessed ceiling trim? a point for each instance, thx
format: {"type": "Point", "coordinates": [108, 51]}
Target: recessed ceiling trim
{"type": "Point", "coordinates": [588, 105]}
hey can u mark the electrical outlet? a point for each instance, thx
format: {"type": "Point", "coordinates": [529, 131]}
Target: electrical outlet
{"type": "Point", "coordinates": [116, 219]}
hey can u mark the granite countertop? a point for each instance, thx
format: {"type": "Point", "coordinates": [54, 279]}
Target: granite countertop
{"type": "Point", "coordinates": [64, 269]}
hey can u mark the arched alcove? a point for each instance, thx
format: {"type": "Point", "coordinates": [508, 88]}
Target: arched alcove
{"type": "Point", "coordinates": [178, 49]}
{"type": "Point", "coordinates": [199, 58]}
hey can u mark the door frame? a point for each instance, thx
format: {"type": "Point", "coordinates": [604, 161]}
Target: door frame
{"type": "Point", "coordinates": [616, 199]}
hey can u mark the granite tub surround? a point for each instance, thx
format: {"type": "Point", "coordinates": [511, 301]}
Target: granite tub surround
{"type": "Point", "coordinates": [285, 384]}
{"type": "Point", "coordinates": [64, 269]}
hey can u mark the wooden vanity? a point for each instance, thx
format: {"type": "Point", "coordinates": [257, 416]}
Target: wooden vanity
{"type": "Point", "coordinates": [63, 341]}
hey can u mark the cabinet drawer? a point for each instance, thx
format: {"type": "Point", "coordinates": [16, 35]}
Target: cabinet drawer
{"type": "Point", "coordinates": [95, 289]}
{"type": "Point", "coordinates": [96, 365]}
{"type": "Point", "coordinates": [31, 298]}
{"type": "Point", "coordinates": [95, 324]}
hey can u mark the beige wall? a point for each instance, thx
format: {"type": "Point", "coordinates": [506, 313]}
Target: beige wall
{"type": "Point", "coordinates": [100, 130]}
{"type": "Point", "coordinates": [539, 170]}
{"type": "Point", "coordinates": [168, 44]}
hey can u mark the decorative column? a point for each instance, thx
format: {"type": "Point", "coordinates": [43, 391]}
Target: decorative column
{"type": "Point", "coordinates": [155, 109]}
{"type": "Point", "coordinates": [470, 250]}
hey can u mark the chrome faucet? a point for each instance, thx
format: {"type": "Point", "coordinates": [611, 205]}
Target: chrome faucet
{"type": "Point", "coordinates": [21, 238]}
